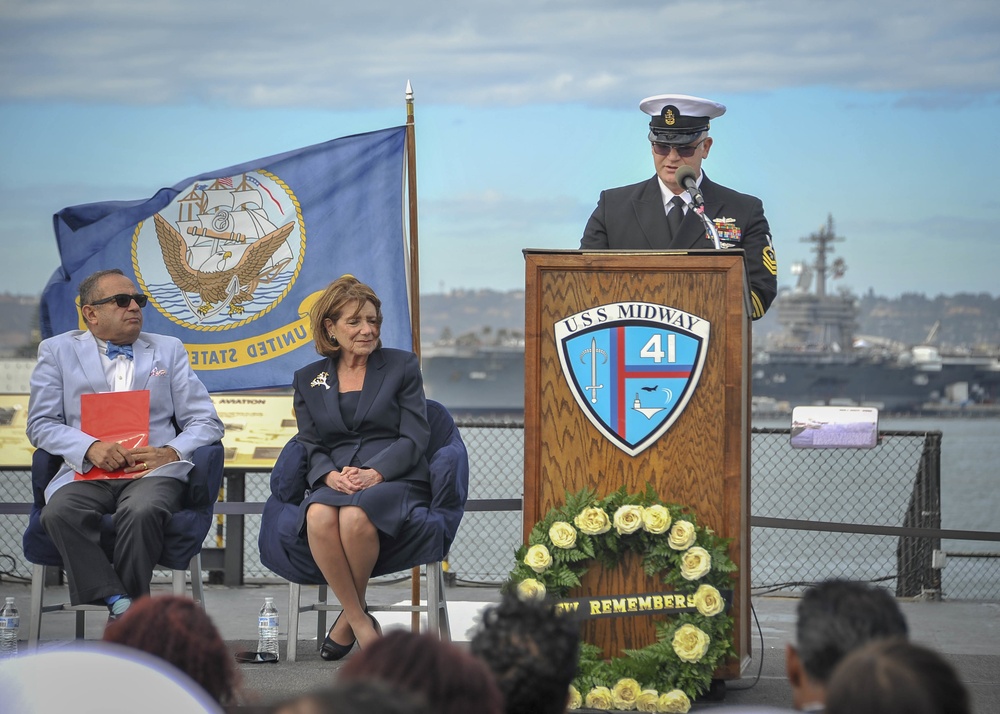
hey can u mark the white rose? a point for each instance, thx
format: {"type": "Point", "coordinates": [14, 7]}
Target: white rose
{"type": "Point", "coordinates": [628, 519]}
{"type": "Point", "coordinates": [656, 519]}
{"type": "Point", "coordinates": [695, 562]}
{"type": "Point", "coordinates": [537, 558]}
{"type": "Point", "coordinates": [682, 535]}
{"type": "Point", "coordinates": [531, 589]}
{"type": "Point", "coordinates": [624, 694]}
{"type": "Point", "coordinates": [647, 700]}
{"type": "Point", "coordinates": [674, 702]}
{"type": "Point", "coordinates": [690, 643]}
{"type": "Point", "coordinates": [592, 521]}
{"type": "Point", "coordinates": [709, 601]}
{"type": "Point", "coordinates": [599, 698]}
{"type": "Point", "coordinates": [562, 535]}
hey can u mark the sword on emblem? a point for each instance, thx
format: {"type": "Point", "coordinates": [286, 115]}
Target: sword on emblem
{"type": "Point", "coordinates": [593, 352]}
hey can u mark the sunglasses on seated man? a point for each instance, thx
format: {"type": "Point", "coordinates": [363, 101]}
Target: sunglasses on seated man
{"type": "Point", "coordinates": [124, 300]}
{"type": "Point", "coordinates": [685, 152]}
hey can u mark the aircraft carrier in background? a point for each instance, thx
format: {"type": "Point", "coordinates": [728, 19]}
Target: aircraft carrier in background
{"type": "Point", "coordinates": [476, 380]}
{"type": "Point", "coordinates": [816, 357]}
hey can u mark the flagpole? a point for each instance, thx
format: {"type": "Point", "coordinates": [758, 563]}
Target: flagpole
{"type": "Point", "coordinates": [411, 182]}
{"type": "Point", "coordinates": [411, 185]}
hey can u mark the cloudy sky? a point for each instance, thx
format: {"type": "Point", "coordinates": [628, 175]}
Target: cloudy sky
{"type": "Point", "coordinates": [881, 114]}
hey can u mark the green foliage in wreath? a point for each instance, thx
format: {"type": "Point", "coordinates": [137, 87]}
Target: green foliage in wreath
{"type": "Point", "coordinates": [688, 558]}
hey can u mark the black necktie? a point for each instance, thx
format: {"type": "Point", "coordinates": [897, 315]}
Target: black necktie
{"type": "Point", "coordinates": [675, 216]}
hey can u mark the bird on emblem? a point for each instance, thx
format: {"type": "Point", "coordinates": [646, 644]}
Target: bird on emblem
{"type": "Point", "coordinates": [235, 285]}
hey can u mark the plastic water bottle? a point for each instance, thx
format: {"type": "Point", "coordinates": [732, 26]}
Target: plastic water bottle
{"type": "Point", "coordinates": [9, 623]}
{"type": "Point", "coordinates": [267, 628]}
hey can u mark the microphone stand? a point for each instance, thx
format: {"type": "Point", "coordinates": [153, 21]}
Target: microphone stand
{"type": "Point", "coordinates": [709, 226]}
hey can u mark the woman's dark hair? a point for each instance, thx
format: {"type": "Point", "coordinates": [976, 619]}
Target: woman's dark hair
{"type": "Point", "coordinates": [179, 631]}
{"type": "Point", "coordinates": [450, 679]}
{"type": "Point", "coordinates": [533, 652]}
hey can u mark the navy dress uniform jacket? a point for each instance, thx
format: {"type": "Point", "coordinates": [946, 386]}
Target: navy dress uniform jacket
{"type": "Point", "coordinates": [633, 218]}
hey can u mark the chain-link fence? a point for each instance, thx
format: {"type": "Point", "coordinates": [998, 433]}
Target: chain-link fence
{"type": "Point", "coordinates": [863, 487]}
{"type": "Point", "coordinates": [896, 484]}
{"type": "Point", "coordinates": [486, 540]}
{"type": "Point", "coordinates": [15, 487]}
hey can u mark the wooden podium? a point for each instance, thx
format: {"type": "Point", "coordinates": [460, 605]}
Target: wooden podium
{"type": "Point", "coordinates": [701, 460]}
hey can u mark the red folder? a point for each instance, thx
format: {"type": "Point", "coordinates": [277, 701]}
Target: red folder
{"type": "Point", "coordinates": [115, 416]}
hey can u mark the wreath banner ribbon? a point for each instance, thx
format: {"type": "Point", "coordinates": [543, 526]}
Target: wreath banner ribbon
{"type": "Point", "coordinates": [665, 603]}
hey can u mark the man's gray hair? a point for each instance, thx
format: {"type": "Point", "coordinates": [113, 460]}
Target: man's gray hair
{"type": "Point", "coordinates": [89, 283]}
{"type": "Point", "coordinates": [836, 617]}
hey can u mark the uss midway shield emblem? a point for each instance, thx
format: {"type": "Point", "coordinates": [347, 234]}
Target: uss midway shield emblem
{"type": "Point", "coordinates": [632, 367]}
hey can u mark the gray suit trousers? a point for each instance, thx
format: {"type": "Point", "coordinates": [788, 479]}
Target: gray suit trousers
{"type": "Point", "coordinates": [141, 507]}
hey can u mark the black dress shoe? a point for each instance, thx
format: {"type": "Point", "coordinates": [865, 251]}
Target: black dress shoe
{"type": "Point", "coordinates": [332, 651]}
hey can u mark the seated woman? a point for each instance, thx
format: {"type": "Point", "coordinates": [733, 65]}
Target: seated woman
{"type": "Point", "coordinates": [362, 418]}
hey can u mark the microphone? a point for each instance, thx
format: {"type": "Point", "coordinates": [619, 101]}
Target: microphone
{"type": "Point", "coordinates": [688, 179]}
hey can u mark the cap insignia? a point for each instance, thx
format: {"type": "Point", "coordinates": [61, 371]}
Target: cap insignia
{"type": "Point", "coordinates": [669, 117]}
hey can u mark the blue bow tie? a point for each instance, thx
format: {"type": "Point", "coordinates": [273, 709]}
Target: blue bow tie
{"type": "Point", "coordinates": [115, 350]}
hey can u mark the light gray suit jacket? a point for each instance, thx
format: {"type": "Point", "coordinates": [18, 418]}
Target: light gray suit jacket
{"type": "Point", "coordinates": [69, 365]}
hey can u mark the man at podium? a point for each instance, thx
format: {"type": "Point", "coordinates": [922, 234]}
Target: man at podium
{"type": "Point", "coordinates": [656, 214]}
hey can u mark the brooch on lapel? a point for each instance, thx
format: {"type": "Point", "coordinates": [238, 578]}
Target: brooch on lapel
{"type": "Point", "coordinates": [320, 379]}
{"type": "Point", "coordinates": [157, 372]}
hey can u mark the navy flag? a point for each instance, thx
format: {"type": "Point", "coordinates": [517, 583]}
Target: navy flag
{"type": "Point", "coordinates": [233, 259]}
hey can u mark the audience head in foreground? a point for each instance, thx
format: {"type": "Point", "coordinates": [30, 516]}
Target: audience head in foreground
{"type": "Point", "coordinates": [895, 677]}
{"type": "Point", "coordinates": [355, 697]}
{"type": "Point", "coordinates": [98, 677]}
{"type": "Point", "coordinates": [835, 618]}
{"type": "Point", "coordinates": [179, 631]}
{"type": "Point", "coordinates": [451, 680]}
{"type": "Point", "coordinates": [533, 652]}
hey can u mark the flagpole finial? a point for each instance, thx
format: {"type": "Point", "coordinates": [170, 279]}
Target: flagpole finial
{"type": "Point", "coordinates": [409, 93]}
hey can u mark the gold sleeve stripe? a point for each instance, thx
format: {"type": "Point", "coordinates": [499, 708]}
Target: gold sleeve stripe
{"type": "Point", "coordinates": [758, 306]}
{"type": "Point", "coordinates": [770, 262]}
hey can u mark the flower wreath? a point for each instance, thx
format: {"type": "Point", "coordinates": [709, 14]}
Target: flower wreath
{"type": "Point", "coordinates": [691, 559]}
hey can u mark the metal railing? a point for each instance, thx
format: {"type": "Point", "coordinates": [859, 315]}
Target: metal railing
{"type": "Point", "coordinates": [869, 514]}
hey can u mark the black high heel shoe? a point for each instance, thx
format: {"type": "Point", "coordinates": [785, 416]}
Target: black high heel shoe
{"type": "Point", "coordinates": [332, 651]}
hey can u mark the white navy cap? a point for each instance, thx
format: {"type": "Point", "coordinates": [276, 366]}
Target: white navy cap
{"type": "Point", "coordinates": [679, 118]}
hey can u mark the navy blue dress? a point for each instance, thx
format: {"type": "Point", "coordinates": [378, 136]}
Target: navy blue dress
{"type": "Point", "coordinates": [383, 427]}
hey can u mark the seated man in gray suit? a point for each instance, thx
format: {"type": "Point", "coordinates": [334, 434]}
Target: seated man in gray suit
{"type": "Point", "coordinates": [114, 355]}
{"type": "Point", "coordinates": [654, 215]}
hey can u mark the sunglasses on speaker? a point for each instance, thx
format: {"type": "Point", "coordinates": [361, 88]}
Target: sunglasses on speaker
{"type": "Point", "coordinates": [685, 152]}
